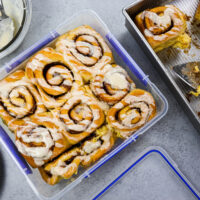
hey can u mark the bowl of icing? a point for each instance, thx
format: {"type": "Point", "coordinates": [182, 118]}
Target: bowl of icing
{"type": "Point", "coordinates": [13, 31]}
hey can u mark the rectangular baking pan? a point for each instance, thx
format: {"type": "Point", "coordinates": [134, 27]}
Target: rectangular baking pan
{"type": "Point", "coordinates": [161, 59]}
{"type": "Point", "coordinates": [41, 189]}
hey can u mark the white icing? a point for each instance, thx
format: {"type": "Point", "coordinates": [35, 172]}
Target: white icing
{"type": "Point", "coordinates": [61, 168]}
{"type": "Point", "coordinates": [119, 105]}
{"type": "Point", "coordinates": [164, 20]}
{"type": "Point", "coordinates": [90, 146]}
{"type": "Point", "coordinates": [58, 145]}
{"type": "Point", "coordinates": [116, 80]}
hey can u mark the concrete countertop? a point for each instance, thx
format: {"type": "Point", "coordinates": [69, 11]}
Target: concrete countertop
{"type": "Point", "coordinates": [174, 132]}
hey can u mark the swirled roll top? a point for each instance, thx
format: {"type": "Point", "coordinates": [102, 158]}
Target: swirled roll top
{"type": "Point", "coordinates": [67, 104]}
{"type": "Point", "coordinates": [53, 76]}
{"type": "Point", "coordinates": [81, 116]}
{"type": "Point", "coordinates": [18, 99]}
{"type": "Point", "coordinates": [132, 112]}
{"type": "Point", "coordinates": [88, 152]}
{"type": "Point", "coordinates": [40, 139]}
{"type": "Point", "coordinates": [94, 148]}
{"type": "Point", "coordinates": [164, 26]}
{"type": "Point", "coordinates": [111, 84]}
{"type": "Point", "coordinates": [85, 49]}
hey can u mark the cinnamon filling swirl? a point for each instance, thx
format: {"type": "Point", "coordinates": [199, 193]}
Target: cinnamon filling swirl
{"type": "Point", "coordinates": [132, 112]}
{"type": "Point", "coordinates": [163, 27]}
{"type": "Point", "coordinates": [87, 49]}
{"type": "Point", "coordinates": [54, 77]}
{"type": "Point", "coordinates": [57, 79]}
{"type": "Point", "coordinates": [111, 84]}
{"type": "Point", "coordinates": [20, 102]}
{"type": "Point", "coordinates": [81, 116]}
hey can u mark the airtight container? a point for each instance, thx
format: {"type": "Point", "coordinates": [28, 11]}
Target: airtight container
{"type": "Point", "coordinates": [153, 175]}
{"type": "Point", "coordinates": [142, 80]}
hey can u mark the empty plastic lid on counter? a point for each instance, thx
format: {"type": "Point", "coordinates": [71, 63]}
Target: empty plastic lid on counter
{"type": "Point", "coordinates": [153, 176]}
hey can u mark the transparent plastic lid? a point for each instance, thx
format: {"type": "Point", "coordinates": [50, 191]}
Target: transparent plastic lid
{"type": "Point", "coordinates": [153, 176]}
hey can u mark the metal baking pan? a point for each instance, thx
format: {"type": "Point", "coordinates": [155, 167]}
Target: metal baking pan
{"type": "Point", "coordinates": [167, 58]}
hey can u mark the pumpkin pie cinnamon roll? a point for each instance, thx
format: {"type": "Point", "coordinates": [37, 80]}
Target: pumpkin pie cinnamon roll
{"type": "Point", "coordinates": [19, 100]}
{"type": "Point", "coordinates": [111, 84]}
{"type": "Point", "coordinates": [81, 116]}
{"type": "Point", "coordinates": [64, 167]}
{"type": "Point", "coordinates": [53, 76]}
{"type": "Point", "coordinates": [40, 139]}
{"type": "Point", "coordinates": [132, 112]}
{"type": "Point", "coordinates": [163, 27]}
{"type": "Point", "coordinates": [94, 148]}
{"type": "Point", "coordinates": [85, 49]}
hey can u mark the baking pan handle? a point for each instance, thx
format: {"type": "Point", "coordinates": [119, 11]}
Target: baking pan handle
{"type": "Point", "coordinates": [133, 66]}
{"type": "Point", "coordinates": [31, 50]}
{"type": "Point", "coordinates": [10, 146]}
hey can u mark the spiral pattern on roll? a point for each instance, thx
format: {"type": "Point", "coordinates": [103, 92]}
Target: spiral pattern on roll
{"type": "Point", "coordinates": [40, 139]}
{"type": "Point", "coordinates": [86, 49]}
{"type": "Point", "coordinates": [111, 84]}
{"type": "Point", "coordinates": [54, 78]}
{"type": "Point", "coordinates": [18, 99]}
{"type": "Point", "coordinates": [162, 26]}
{"type": "Point", "coordinates": [132, 112]}
{"type": "Point", "coordinates": [81, 116]}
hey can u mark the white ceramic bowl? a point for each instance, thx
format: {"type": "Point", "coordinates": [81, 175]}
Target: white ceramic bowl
{"type": "Point", "coordinates": [19, 37]}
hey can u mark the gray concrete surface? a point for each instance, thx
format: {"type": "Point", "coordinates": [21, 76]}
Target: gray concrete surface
{"type": "Point", "coordinates": [174, 132]}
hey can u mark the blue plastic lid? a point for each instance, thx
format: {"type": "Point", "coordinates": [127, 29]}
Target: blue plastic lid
{"type": "Point", "coordinates": [152, 176]}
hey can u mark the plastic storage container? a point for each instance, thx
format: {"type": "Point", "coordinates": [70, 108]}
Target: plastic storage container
{"type": "Point", "coordinates": [153, 176]}
{"type": "Point", "coordinates": [43, 190]}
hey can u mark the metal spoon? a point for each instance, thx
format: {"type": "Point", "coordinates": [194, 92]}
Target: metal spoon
{"type": "Point", "coordinates": [178, 70]}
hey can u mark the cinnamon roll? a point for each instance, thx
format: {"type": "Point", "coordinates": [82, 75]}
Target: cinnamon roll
{"type": "Point", "coordinates": [94, 148]}
{"type": "Point", "coordinates": [85, 49]}
{"type": "Point", "coordinates": [64, 167]}
{"type": "Point", "coordinates": [19, 100]}
{"type": "Point", "coordinates": [86, 153]}
{"type": "Point", "coordinates": [48, 177]}
{"type": "Point", "coordinates": [40, 139]}
{"type": "Point", "coordinates": [53, 76]}
{"type": "Point", "coordinates": [132, 112]}
{"type": "Point", "coordinates": [111, 84]}
{"type": "Point", "coordinates": [81, 116]}
{"type": "Point", "coordinates": [163, 27]}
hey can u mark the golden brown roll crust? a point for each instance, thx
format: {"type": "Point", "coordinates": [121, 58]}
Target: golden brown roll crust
{"type": "Point", "coordinates": [91, 150]}
{"type": "Point", "coordinates": [162, 26]}
{"type": "Point", "coordinates": [49, 178]}
{"type": "Point", "coordinates": [85, 49]}
{"type": "Point", "coordinates": [39, 139]}
{"type": "Point", "coordinates": [81, 116]}
{"type": "Point", "coordinates": [94, 148]}
{"type": "Point", "coordinates": [19, 100]}
{"type": "Point", "coordinates": [64, 167]}
{"type": "Point", "coordinates": [53, 76]}
{"type": "Point", "coordinates": [111, 84]}
{"type": "Point", "coordinates": [132, 112]}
